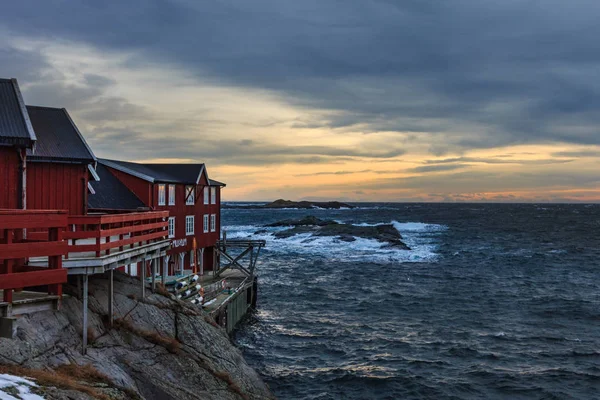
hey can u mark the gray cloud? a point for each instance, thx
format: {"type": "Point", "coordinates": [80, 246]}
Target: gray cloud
{"type": "Point", "coordinates": [471, 74]}
{"type": "Point", "coordinates": [501, 160]}
{"type": "Point", "coordinates": [438, 168]}
{"type": "Point", "coordinates": [336, 173]}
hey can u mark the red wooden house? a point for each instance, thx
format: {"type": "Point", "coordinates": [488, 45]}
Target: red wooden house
{"type": "Point", "coordinates": [46, 231]}
{"type": "Point", "coordinates": [17, 139]}
{"type": "Point", "coordinates": [59, 169]}
{"type": "Point", "coordinates": [185, 190]}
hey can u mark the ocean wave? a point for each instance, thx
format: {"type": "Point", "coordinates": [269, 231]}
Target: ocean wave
{"type": "Point", "coordinates": [415, 234]}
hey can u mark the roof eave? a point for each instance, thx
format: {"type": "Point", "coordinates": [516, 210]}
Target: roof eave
{"type": "Point", "coordinates": [80, 135]}
{"type": "Point", "coordinates": [129, 171]}
{"type": "Point", "coordinates": [24, 112]}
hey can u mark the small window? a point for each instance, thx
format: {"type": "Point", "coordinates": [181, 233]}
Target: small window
{"type": "Point", "coordinates": [192, 258]}
{"type": "Point", "coordinates": [205, 223]}
{"type": "Point", "coordinates": [213, 195]}
{"type": "Point", "coordinates": [189, 225]}
{"type": "Point", "coordinates": [205, 194]}
{"type": "Point", "coordinates": [171, 195]}
{"type": "Point", "coordinates": [189, 195]}
{"type": "Point", "coordinates": [161, 195]}
{"type": "Point", "coordinates": [213, 222]}
{"type": "Point", "coordinates": [171, 227]}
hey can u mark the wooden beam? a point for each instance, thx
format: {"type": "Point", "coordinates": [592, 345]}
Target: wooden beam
{"type": "Point", "coordinates": [84, 324]}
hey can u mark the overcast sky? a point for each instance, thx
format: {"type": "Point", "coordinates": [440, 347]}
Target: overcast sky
{"type": "Point", "coordinates": [407, 100]}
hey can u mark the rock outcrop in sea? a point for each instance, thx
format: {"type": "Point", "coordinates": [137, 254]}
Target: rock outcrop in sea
{"type": "Point", "coordinates": [158, 349]}
{"type": "Point", "coordinates": [385, 233]}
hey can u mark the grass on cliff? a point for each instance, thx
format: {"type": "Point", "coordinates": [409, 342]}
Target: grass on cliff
{"type": "Point", "coordinates": [171, 344]}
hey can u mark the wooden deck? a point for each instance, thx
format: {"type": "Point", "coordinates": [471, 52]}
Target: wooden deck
{"type": "Point", "coordinates": [25, 302]}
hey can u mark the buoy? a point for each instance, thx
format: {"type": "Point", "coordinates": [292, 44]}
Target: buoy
{"type": "Point", "coordinates": [223, 284]}
{"type": "Point", "coordinates": [194, 278]}
{"type": "Point", "coordinates": [202, 291]}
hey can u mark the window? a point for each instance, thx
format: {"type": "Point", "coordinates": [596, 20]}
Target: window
{"type": "Point", "coordinates": [192, 258]}
{"type": "Point", "coordinates": [171, 195]}
{"type": "Point", "coordinates": [205, 194]}
{"type": "Point", "coordinates": [189, 195]}
{"type": "Point", "coordinates": [213, 222]}
{"type": "Point", "coordinates": [161, 195]}
{"type": "Point", "coordinates": [171, 227]}
{"type": "Point", "coordinates": [213, 195]}
{"type": "Point", "coordinates": [189, 225]}
{"type": "Point", "coordinates": [205, 223]}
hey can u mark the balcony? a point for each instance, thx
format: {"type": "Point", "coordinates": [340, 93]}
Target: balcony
{"type": "Point", "coordinates": [16, 247]}
{"type": "Point", "coordinates": [97, 243]}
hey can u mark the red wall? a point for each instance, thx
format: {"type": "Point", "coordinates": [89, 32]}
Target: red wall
{"type": "Point", "coordinates": [141, 188]}
{"type": "Point", "coordinates": [9, 177]}
{"type": "Point", "coordinates": [57, 186]}
{"type": "Point", "coordinates": [148, 193]}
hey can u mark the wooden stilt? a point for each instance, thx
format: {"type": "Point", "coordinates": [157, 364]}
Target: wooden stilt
{"type": "Point", "coordinates": [111, 312]}
{"type": "Point", "coordinates": [143, 278]}
{"type": "Point", "coordinates": [153, 264]}
{"type": "Point", "coordinates": [85, 314]}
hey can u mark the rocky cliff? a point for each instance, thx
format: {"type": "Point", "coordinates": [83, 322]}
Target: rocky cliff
{"type": "Point", "coordinates": [158, 349]}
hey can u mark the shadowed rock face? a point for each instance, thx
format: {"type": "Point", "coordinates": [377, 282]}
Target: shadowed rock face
{"type": "Point", "coordinates": [202, 363]}
{"type": "Point", "coordinates": [345, 232]}
{"type": "Point", "coordinates": [295, 204]}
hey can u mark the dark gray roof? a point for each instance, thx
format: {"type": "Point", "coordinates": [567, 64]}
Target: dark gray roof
{"type": "Point", "coordinates": [212, 182]}
{"type": "Point", "coordinates": [15, 127]}
{"type": "Point", "coordinates": [111, 194]}
{"type": "Point", "coordinates": [168, 173]}
{"type": "Point", "coordinates": [58, 137]}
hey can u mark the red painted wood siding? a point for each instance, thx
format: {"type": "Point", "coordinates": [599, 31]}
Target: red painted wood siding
{"type": "Point", "coordinates": [57, 186]}
{"type": "Point", "coordinates": [141, 188]}
{"type": "Point", "coordinates": [148, 193]}
{"type": "Point", "coordinates": [9, 177]}
{"type": "Point", "coordinates": [180, 210]}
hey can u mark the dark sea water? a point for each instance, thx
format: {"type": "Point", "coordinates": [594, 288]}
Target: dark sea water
{"type": "Point", "coordinates": [494, 302]}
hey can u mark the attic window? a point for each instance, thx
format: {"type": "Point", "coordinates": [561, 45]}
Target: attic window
{"type": "Point", "coordinates": [189, 195]}
{"type": "Point", "coordinates": [213, 195]}
{"type": "Point", "coordinates": [206, 194]}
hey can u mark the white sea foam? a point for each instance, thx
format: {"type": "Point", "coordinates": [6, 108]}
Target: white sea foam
{"type": "Point", "coordinates": [421, 238]}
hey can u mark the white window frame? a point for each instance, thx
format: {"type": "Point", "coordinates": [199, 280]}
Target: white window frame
{"type": "Point", "coordinates": [205, 225]}
{"type": "Point", "coordinates": [189, 225]}
{"type": "Point", "coordinates": [162, 195]}
{"type": "Point", "coordinates": [213, 195]}
{"type": "Point", "coordinates": [171, 227]}
{"type": "Point", "coordinates": [213, 222]}
{"type": "Point", "coordinates": [190, 192]}
{"type": "Point", "coordinates": [171, 195]}
{"type": "Point", "coordinates": [206, 194]}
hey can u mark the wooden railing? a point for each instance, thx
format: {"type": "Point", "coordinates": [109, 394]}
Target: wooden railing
{"type": "Point", "coordinates": [16, 247]}
{"type": "Point", "coordinates": [100, 235]}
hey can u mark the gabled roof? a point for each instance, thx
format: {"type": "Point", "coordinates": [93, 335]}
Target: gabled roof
{"type": "Point", "coordinates": [15, 127]}
{"type": "Point", "coordinates": [58, 137]}
{"type": "Point", "coordinates": [167, 173]}
{"type": "Point", "coordinates": [111, 194]}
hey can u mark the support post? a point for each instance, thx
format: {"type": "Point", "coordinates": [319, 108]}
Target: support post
{"type": "Point", "coordinates": [153, 264]}
{"type": "Point", "coordinates": [143, 278]}
{"type": "Point", "coordinates": [202, 262]}
{"type": "Point", "coordinates": [111, 312]}
{"type": "Point", "coordinates": [85, 314]}
{"type": "Point", "coordinates": [165, 270]}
